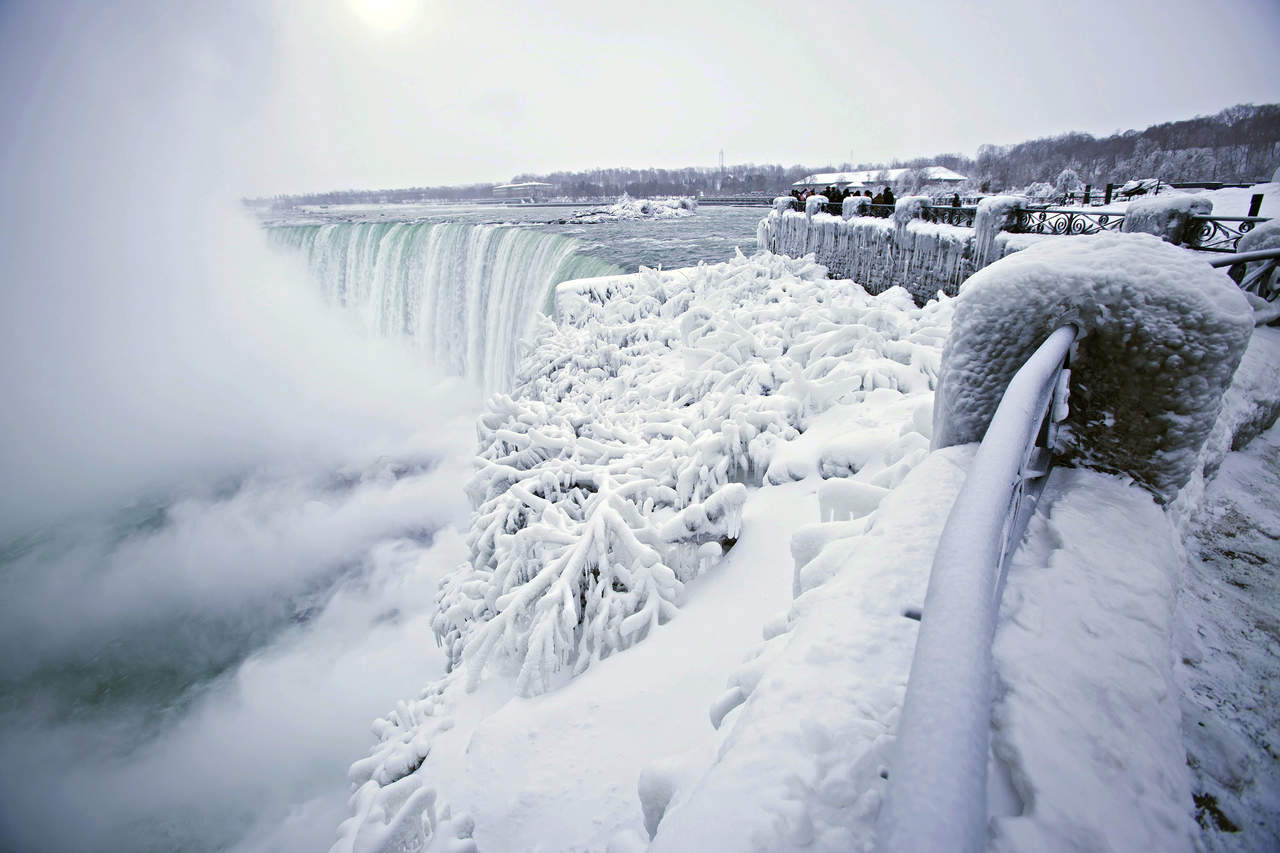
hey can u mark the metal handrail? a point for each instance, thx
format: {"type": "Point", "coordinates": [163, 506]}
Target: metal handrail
{"type": "Point", "coordinates": [1245, 257]}
{"type": "Point", "coordinates": [937, 798]}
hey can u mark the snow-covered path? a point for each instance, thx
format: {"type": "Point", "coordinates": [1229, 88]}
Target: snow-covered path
{"type": "Point", "coordinates": [1228, 639]}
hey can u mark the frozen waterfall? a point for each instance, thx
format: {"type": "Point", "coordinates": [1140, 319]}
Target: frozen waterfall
{"type": "Point", "coordinates": [464, 293]}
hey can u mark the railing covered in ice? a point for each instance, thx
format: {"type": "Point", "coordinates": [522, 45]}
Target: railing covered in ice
{"type": "Point", "coordinates": [1262, 280]}
{"type": "Point", "coordinates": [937, 797]}
{"type": "Point", "coordinates": [1205, 233]}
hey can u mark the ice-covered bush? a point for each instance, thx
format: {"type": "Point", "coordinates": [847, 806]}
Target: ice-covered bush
{"type": "Point", "coordinates": [783, 203]}
{"type": "Point", "coordinates": [1167, 217]}
{"type": "Point", "coordinates": [614, 471]}
{"type": "Point", "coordinates": [1068, 182]}
{"type": "Point", "coordinates": [1162, 334]}
{"type": "Point", "coordinates": [1040, 191]}
{"type": "Point", "coordinates": [813, 204]}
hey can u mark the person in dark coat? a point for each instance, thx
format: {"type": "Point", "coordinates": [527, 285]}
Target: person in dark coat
{"type": "Point", "coordinates": [955, 199]}
{"type": "Point", "coordinates": [888, 195]}
{"type": "Point", "coordinates": [878, 198]}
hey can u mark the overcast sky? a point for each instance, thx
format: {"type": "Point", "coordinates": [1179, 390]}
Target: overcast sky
{"type": "Point", "coordinates": [321, 94]}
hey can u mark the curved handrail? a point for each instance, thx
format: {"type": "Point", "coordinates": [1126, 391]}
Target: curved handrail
{"type": "Point", "coordinates": [1244, 257]}
{"type": "Point", "coordinates": [937, 798]}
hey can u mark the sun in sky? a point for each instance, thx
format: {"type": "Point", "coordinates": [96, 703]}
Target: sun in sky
{"type": "Point", "coordinates": [386, 15]}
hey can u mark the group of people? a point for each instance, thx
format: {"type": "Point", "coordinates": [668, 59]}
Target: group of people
{"type": "Point", "coordinates": [835, 195]}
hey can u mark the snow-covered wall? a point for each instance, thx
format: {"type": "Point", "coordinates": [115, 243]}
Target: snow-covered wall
{"type": "Point", "coordinates": [922, 257]}
{"type": "Point", "coordinates": [1162, 333]}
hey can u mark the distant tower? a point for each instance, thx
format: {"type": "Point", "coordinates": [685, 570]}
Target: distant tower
{"type": "Point", "coordinates": [722, 162]}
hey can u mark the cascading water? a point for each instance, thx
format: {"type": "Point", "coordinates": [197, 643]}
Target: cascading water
{"type": "Point", "coordinates": [464, 293]}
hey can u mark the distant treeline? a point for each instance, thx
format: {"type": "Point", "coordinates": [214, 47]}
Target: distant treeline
{"type": "Point", "coordinates": [1239, 144]}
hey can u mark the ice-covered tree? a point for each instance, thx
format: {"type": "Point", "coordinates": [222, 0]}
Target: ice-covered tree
{"type": "Point", "coordinates": [1068, 182]}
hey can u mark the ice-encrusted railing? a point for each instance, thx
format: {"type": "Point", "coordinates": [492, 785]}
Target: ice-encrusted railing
{"type": "Point", "coordinates": [1203, 233]}
{"type": "Point", "coordinates": [1262, 280]}
{"type": "Point", "coordinates": [937, 797]}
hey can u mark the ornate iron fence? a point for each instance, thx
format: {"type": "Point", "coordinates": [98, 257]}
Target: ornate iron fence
{"type": "Point", "coordinates": [948, 215]}
{"type": "Point", "coordinates": [1220, 233]}
{"type": "Point", "coordinates": [1051, 220]}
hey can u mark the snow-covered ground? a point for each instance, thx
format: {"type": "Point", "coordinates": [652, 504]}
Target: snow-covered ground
{"type": "Point", "coordinates": [633, 427]}
{"type": "Point", "coordinates": [1228, 201]}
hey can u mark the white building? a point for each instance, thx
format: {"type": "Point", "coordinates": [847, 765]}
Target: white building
{"type": "Point", "coordinates": [877, 178]}
{"type": "Point", "coordinates": [527, 189]}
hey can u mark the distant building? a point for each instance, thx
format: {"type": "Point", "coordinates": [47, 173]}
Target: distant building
{"type": "Point", "coordinates": [527, 189]}
{"type": "Point", "coordinates": [876, 178]}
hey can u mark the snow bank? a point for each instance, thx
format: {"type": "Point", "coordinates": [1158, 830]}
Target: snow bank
{"type": "Point", "coordinates": [1162, 334]}
{"type": "Point", "coordinates": [1167, 217]}
{"type": "Point", "coordinates": [811, 714]}
{"type": "Point", "coordinates": [643, 208]}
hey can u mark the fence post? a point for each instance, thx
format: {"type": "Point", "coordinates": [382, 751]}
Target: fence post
{"type": "Point", "coordinates": [1107, 198]}
{"type": "Point", "coordinates": [1255, 204]}
{"type": "Point", "coordinates": [1088, 189]}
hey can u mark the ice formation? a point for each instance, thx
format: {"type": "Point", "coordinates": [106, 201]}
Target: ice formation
{"type": "Point", "coordinates": [615, 471]}
{"type": "Point", "coordinates": [989, 221]}
{"type": "Point", "coordinates": [640, 208]}
{"type": "Point", "coordinates": [1162, 333]}
{"type": "Point", "coordinates": [1167, 217]}
{"type": "Point", "coordinates": [923, 257]}
{"type": "Point", "coordinates": [612, 474]}
{"type": "Point", "coordinates": [855, 205]}
{"type": "Point", "coordinates": [906, 209]}
{"type": "Point", "coordinates": [814, 204]}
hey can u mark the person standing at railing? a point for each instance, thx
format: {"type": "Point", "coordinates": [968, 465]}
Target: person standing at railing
{"type": "Point", "coordinates": [955, 199]}
{"type": "Point", "coordinates": [888, 196]}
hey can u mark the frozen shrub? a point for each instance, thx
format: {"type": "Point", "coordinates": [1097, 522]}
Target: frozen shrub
{"type": "Point", "coordinates": [1039, 191]}
{"type": "Point", "coordinates": [1068, 182]}
{"type": "Point", "coordinates": [614, 472]}
{"type": "Point", "coordinates": [1162, 333]}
